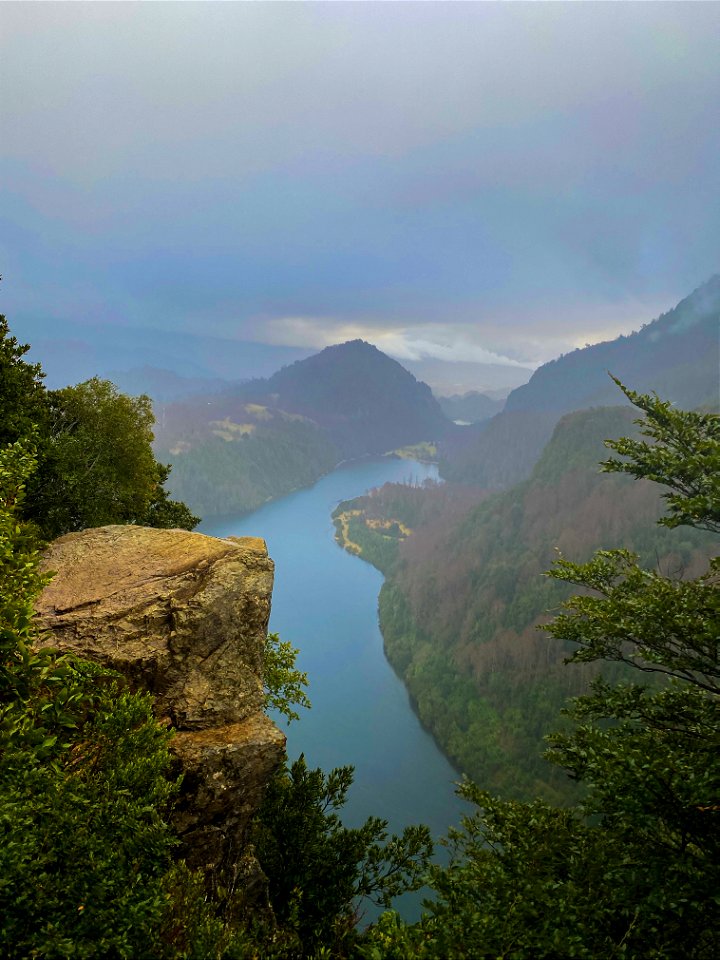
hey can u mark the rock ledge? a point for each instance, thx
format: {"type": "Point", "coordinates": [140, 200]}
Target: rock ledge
{"type": "Point", "coordinates": [184, 616]}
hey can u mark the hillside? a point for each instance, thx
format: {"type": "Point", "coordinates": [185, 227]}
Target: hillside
{"type": "Point", "coordinates": [471, 407]}
{"type": "Point", "coordinates": [242, 457]}
{"type": "Point", "coordinates": [365, 401]}
{"type": "Point", "coordinates": [465, 590]}
{"type": "Point", "coordinates": [231, 451]}
{"type": "Point", "coordinates": [677, 356]}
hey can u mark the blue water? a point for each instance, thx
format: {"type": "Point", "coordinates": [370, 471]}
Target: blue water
{"type": "Point", "coordinates": [325, 604]}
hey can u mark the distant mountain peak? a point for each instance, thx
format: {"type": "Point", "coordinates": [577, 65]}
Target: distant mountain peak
{"type": "Point", "coordinates": [367, 401]}
{"type": "Point", "coordinates": [351, 348]}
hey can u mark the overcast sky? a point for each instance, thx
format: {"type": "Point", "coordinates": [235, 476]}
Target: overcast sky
{"type": "Point", "coordinates": [472, 180]}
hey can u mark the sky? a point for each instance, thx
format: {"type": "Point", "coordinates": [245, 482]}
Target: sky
{"type": "Point", "coordinates": [488, 182]}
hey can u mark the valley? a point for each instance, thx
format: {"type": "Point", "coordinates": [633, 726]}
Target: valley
{"type": "Point", "coordinates": [359, 481]}
{"type": "Point", "coordinates": [464, 561]}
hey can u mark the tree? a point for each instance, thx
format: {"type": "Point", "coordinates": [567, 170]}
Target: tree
{"type": "Point", "coordinates": [99, 467]}
{"type": "Point", "coordinates": [84, 844]}
{"type": "Point", "coordinates": [634, 870]}
{"type": "Point", "coordinates": [284, 684]}
{"type": "Point", "coordinates": [164, 512]}
{"type": "Point", "coordinates": [318, 869]}
{"type": "Point", "coordinates": [23, 398]}
{"type": "Point", "coordinates": [93, 446]}
{"type": "Point", "coordinates": [682, 456]}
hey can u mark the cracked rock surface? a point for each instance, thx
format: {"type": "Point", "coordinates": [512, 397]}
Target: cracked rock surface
{"type": "Point", "coordinates": [183, 616]}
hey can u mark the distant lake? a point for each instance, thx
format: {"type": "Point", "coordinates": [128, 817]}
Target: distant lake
{"type": "Point", "coordinates": [325, 603]}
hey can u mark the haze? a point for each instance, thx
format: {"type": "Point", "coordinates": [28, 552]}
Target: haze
{"type": "Point", "coordinates": [482, 182]}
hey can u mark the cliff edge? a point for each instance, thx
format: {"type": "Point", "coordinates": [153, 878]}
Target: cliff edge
{"type": "Point", "coordinates": [183, 616]}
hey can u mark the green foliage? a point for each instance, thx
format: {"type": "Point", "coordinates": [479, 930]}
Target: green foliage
{"type": "Point", "coordinates": [378, 547]}
{"type": "Point", "coordinates": [93, 447]}
{"type": "Point", "coordinates": [162, 511]}
{"type": "Point", "coordinates": [100, 467]}
{"type": "Point", "coordinates": [317, 868]}
{"type": "Point", "coordinates": [642, 618]}
{"type": "Point", "coordinates": [634, 871]}
{"type": "Point", "coordinates": [194, 927]}
{"type": "Point", "coordinates": [20, 583]}
{"type": "Point", "coordinates": [284, 685]}
{"type": "Point", "coordinates": [217, 476]}
{"type": "Point", "coordinates": [83, 842]}
{"type": "Point", "coordinates": [22, 393]}
{"type": "Point", "coordinates": [683, 456]}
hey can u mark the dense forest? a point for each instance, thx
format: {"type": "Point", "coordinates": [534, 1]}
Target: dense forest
{"type": "Point", "coordinates": [231, 466]}
{"type": "Point", "coordinates": [233, 450]}
{"type": "Point", "coordinates": [629, 869]}
{"type": "Point", "coordinates": [464, 594]}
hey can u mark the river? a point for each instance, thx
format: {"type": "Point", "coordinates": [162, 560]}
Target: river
{"type": "Point", "coordinates": [325, 604]}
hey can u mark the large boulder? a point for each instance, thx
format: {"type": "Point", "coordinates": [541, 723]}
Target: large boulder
{"type": "Point", "coordinates": [183, 616]}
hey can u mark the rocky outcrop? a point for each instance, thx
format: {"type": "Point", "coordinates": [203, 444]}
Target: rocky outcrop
{"type": "Point", "coordinates": [185, 617]}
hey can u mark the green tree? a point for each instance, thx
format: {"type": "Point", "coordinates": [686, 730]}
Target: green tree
{"type": "Point", "coordinates": [99, 467]}
{"type": "Point", "coordinates": [318, 869]}
{"type": "Point", "coordinates": [284, 684]}
{"type": "Point", "coordinates": [634, 871]}
{"type": "Point", "coordinates": [164, 512]}
{"type": "Point", "coordinates": [23, 398]}
{"type": "Point", "coordinates": [93, 447]}
{"type": "Point", "coordinates": [682, 456]}
{"type": "Point", "coordinates": [83, 839]}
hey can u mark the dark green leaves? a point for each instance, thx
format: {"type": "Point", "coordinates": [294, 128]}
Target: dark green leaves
{"type": "Point", "coordinates": [684, 454]}
{"type": "Point", "coordinates": [318, 868]}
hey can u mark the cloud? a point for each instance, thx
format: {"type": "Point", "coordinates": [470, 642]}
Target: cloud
{"type": "Point", "coordinates": [439, 342]}
{"type": "Point", "coordinates": [517, 339]}
{"type": "Point", "coordinates": [451, 180]}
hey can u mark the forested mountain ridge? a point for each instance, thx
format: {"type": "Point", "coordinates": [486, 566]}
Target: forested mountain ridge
{"type": "Point", "coordinates": [465, 591]}
{"type": "Point", "coordinates": [249, 456]}
{"type": "Point", "coordinates": [87, 858]}
{"type": "Point", "coordinates": [367, 402]}
{"type": "Point", "coordinates": [677, 356]}
{"type": "Point", "coordinates": [232, 451]}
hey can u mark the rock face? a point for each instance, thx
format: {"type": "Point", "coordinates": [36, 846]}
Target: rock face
{"type": "Point", "coordinates": [185, 617]}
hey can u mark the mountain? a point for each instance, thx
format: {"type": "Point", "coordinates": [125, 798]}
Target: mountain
{"type": "Point", "coordinates": [460, 376]}
{"type": "Point", "coordinates": [163, 386]}
{"type": "Point", "coordinates": [367, 402]}
{"type": "Point", "coordinates": [470, 407]}
{"type": "Point", "coordinates": [677, 356]}
{"type": "Point", "coordinates": [235, 449]}
{"type": "Point", "coordinates": [465, 590]}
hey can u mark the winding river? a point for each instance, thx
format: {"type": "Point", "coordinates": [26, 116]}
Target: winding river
{"type": "Point", "coordinates": [325, 603]}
